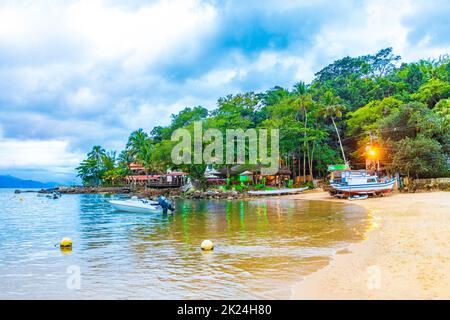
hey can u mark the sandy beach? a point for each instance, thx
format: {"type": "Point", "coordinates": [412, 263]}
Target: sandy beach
{"type": "Point", "coordinates": [406, 254]}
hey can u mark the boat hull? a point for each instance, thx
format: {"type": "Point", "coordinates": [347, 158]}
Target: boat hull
{"type": "Point", "coordinates": [276, 192]}
{"type": "Point", "coordinates": [127, 206]}
{"type": "Point", "coordinates": [373, 188]}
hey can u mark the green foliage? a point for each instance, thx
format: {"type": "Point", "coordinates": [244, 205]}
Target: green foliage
{"type": "Point", "coordinates": [432, 91]}
{"type": "Point", "coordinates": [403, 108]}
{"type": "Point", "coordinates": [376, 65]}
{"type": "Point", "coordinates": [442, 112]}
{"type": "Point", "coordinates": [308, 184]}
{"type": "Point", "coordinates": [240, 187]}
{"type": "Point", "coordinates": [419, 157]}
{"type": "Point", "coordinates": [325, 155]}
{"type": "Point", "coordinates": [260, 186]}
{"type": "Point", "coordinates": [365, 119]}
{"type": "Point", "coordinates": [409, 120]}
{"type": "Point", "coordinates": [99, 168]}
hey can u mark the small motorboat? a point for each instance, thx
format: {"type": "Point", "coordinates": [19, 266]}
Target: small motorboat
{"type": "Point", "coordinates": [142, 205]}
{"type": "Point", "coordinates": [54, 195]}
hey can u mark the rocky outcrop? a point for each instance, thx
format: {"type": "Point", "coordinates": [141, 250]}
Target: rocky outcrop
{"type": "Point", "coordinates": [153, 193]}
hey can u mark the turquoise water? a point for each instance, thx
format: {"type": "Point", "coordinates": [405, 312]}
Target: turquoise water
{"type": "Point", "coordinates": [262, 247]}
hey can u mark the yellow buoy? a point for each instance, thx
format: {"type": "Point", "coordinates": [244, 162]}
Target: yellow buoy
{"type": "Point", "coordinates": [207, 245]}
{"type": "Point", "coordinates": [66, 243]}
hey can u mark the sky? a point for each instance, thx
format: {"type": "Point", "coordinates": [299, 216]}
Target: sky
{"type": "Point", "coordinates": [79, 73]}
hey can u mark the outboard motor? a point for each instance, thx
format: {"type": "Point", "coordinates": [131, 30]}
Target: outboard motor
{"type": "Point", "coordinates": [165, 204]}
{"type": "Point", "coordinates": [56, 195]}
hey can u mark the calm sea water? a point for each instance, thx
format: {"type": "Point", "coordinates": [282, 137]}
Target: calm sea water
{"type": "Point", "coordinates": [262, 247]}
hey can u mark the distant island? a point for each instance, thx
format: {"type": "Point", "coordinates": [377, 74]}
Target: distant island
{"type": "Point", "coordinates": [13, 182]}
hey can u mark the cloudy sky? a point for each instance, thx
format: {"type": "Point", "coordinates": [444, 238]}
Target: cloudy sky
{"type": "Point", "coordinates": [78, 73]}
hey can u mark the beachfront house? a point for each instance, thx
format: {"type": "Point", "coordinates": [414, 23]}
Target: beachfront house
{"type": "Point", "coordinates": [139, 178]}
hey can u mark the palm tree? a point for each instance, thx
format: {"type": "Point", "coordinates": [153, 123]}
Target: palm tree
{"type": "Point", "coordinates": [136, 142]}
{"type": "Point", "coordinates": [86, 171]}
{"type": "Point", "coordinates": [146, 157]}
{"type": "Point", "coordinates": [91, 169]}
{"type": "Point", "coordinates": [109, 160]}
{"type": "Point", "coordinates": [332, 108]}
{"type": "Point", "coordinates": [96, 153]}
{"type": "Point", "coordinates": [124, 158]}
{"type": "Point", "coordinates": [303, 101]}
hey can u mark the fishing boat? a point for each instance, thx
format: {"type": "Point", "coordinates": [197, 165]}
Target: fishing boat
{"type": "Point", "coordinates": [142, 205]}
{"type": "Point", "coordinates": [361, 183]}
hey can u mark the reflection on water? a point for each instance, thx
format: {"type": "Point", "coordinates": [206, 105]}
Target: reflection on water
{"type": "Point", "coordinates": [262, 247]}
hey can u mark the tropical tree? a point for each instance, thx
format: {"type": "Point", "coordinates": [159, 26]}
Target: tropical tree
{"type": "Point", "coordinates": [442, 112]}
{"type": "Point", "coordinates": [304, 102]}
{"type": "Point", "coordinates": [419, 157]}
{"type": "Point", "coordinates": [365, 119]}
{"type": "Point", "coordinates": [402, 108]}
{"type": "Point", "coordinates": [136, 142]}
{"type": "Point", "coordinates": [115, 175]}
{"type": "Point", "coordinates": [432, 91]}
{"type": "Point", "coordinates": [146, 157]}
{"type": "Point", "coordinates": [91, 169]}
{"type": "Point", "coordinates": [332, 108]}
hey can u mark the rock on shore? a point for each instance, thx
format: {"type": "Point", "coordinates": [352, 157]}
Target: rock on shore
{"type": "Point", "coordinates": [152, 193]}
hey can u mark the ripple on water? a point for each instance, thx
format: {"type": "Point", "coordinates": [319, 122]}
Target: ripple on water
{"type": "Point", "coordinates": [262, 246]}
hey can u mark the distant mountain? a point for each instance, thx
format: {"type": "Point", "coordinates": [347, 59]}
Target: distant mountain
{"type": "Point", "coordinates": [13, 182]}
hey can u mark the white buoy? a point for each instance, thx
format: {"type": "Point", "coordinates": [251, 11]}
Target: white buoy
{"type": "Point", "coordinates": [207, 245]}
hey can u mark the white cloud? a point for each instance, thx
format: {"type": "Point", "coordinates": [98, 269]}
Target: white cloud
{"type": "Point", "coordinates": [51, 155]}
{"type": "Point", "coordinates": [52, 46]}
{"type": "Point", "coordinates": [81, 72]}
{"type": "Point", "coordinates": [142, 36]}
{"type": "Point", "coordinates": [84, 100]}
{"type": "Point", "coordinates": [380, 25]}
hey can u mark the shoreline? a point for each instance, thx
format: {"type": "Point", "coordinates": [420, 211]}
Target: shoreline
{"type": "Point", "coordinates": [406, 253]}
{"type": "Point", "coordinates": [174, 193]}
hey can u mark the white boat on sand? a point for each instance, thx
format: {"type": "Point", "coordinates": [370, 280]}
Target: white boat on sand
{"type": "Point", "coordinates": [276, 192]}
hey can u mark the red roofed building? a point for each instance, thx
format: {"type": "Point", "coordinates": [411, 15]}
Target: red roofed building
{"type": "Point", "coordinates": [136, 168]}
{"type": "Point", "coordinates": [138, 177]}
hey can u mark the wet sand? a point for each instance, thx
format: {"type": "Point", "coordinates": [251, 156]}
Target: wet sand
{"type": "Point", "coordinates": [406, 254]}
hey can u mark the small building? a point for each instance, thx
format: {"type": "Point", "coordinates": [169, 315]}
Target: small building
{"type": "Point", "coordinates": [168, 180]}
{"type": "Point", "coordinates": [252, 174]}
{"type": "Point", "coordinates": [136, 169]}
{"type": "Point", "coordinates": [280, 178]}
{"type": "Point", "coordinates": [136, 180]}
{"type": "Point", "coordinates": [139, 178]}
{"type": "Point", "coordinates": [214, 177]}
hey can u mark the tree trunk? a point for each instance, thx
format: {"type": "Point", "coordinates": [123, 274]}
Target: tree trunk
{"type": "Point", "coordinates": [293, 167]}
{"type": "Point", "coordinates": [304, 165]}
{"type": "Point", "coordinates": [340, 142]}
{"type": "Point", "coordinates": [304, 145]}
{"type": "Point", "coordinates": [312, 160]}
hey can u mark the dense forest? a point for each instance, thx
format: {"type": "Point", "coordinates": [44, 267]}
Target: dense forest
{"type": "Point", "coordinates": [401, 109]}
